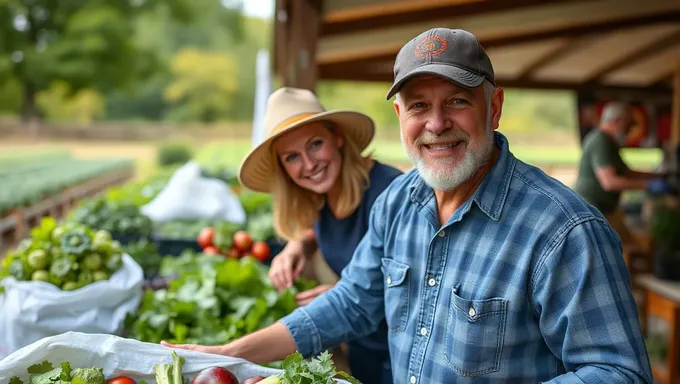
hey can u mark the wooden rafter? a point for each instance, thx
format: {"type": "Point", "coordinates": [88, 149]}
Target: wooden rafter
{"type": "Point", "coordinates": [663, 77]}
{"type": "Point", "coordinates": [577, 29]}
{"type": "Point", "coordinates": [401, 13]}
{"type": "Point", "coordinates": [359, 73]}
{"type": "Point", "coordinates": [566, 46]}
{"type": "Point", "coordinates": [588, 28]}
{"type": "Point", "coordinates": [632, 57]}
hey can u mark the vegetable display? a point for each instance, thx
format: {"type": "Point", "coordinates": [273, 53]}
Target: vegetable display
{"type": "Point", "coordinates": [68, 256]}
{"type": "Point", "coordinates": [228, 240]}
{"type": "Point", "coordinates": [114, 217]}
{"type": "Point", "coordinates": [212, 301]}
{"type": "Point", "coordinates": [319, 370]}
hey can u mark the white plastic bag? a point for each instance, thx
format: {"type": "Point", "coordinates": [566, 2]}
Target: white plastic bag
{"type": "Point", "coordinates": [32, 310]}
{"type": "Point", "coordinates": [188, 195]}
{"type": "Point", "coordinates": [119, 356]}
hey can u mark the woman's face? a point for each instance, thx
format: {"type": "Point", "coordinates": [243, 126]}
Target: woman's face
{"type": "Point", "coordinates": [311, 157]}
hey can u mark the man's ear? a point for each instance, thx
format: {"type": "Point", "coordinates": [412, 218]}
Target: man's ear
{"type": "Point", "coordinates": [397, 107]}
{"type": "Point", "coordinates": [497, 105]}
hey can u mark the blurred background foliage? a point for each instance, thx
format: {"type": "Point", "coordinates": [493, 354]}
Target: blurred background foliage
{"type": "Point", "coordinates": [175, 61]}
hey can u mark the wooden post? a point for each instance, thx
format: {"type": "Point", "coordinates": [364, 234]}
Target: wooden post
{"type": "Point", "coordinates": [281, 43]}
{"type": "Point", "coordinates": [304, 23]}
{"type": "Point", "coordinates": [675, 110]}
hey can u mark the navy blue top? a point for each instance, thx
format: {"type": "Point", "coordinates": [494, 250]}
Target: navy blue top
{"type": "Point", "coordinates": [338, 238]}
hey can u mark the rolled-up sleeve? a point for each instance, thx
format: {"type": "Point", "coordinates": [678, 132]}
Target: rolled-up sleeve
{"type": "Point", "coordinates": [581, 292]}
{"type": "Point", "coordinates": [355, 306]}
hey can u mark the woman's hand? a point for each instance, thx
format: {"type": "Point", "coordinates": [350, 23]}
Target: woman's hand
{"type": "Point", "coordinates": [272, 343]}
{"type": "Point", "coordinates": [306, 297]}
{"type": "Point", "coordinates": [287, 265]}
{"type": "Point", "coordinates": [216, 349]}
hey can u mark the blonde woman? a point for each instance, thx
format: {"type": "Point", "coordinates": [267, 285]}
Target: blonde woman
{"type": "Point", "coordinates": [322, 190]}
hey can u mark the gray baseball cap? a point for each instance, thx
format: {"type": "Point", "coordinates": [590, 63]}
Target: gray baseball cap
{"type": "Point", "coordinates": [452, 53]}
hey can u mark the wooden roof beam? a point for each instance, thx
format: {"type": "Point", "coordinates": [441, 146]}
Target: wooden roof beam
{"type": "Point", "coordinates": [643, 53]}
{"type": "Point", "coordinates": [359, 73]}
{"type": "Point", "coordinates": [590, 28]}
{"type": "Point", "coordinates": [400, 13]}
{"type": "Point", "coordinates": [566, 46]}
{"type": "Point", "coordinates": [389, 52]}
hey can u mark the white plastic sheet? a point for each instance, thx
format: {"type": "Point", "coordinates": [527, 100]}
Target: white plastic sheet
{"type": "Point", "coordinates": [190, 196]}
{"type": "Point", "coordinates": [32, 310]}
{"type": "Point", "coordinates": [119, 356]}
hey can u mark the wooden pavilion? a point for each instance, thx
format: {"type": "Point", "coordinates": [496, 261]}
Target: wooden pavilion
{"type": "Point", "coordinates": [600, 49]}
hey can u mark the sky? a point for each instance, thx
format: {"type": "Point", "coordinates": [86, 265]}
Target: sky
{"type": "Point", "coordinates": [259, 8]}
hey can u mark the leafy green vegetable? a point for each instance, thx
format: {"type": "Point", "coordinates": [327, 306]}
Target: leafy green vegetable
{"type": "Point", "coordinates": [118, 217]}
{"type": "Point", "coordinates": [212, 301]}
{"type": "Point", "coordinates": [317, 370]}
{"type": "Point", "coordinates": [45, 373]}
{"type": "Point", "coordinates": [146, 254]}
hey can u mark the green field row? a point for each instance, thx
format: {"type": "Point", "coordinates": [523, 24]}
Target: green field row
{"type": "Point", "coordinates": [11, 159]}
{"type": "Point", "coordinates": [29, 183]}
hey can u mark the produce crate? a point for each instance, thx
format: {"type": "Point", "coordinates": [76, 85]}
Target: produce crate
{"type": "Point", "coordinates": [175, 247]}
{"type": "Point", "coordinates": [126, 238]}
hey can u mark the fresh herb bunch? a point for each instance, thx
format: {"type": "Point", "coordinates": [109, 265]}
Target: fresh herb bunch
{"type": "Point", "coordinates": [317, 370]}
{"type": "Point", "coordinates": [69, 256]}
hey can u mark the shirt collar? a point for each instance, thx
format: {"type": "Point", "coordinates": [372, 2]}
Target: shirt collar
{"type": "Point", "coordinates": [491, 194]}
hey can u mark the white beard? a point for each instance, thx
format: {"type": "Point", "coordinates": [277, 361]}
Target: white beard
{"type": "Point", "coordinates": [450, 174]}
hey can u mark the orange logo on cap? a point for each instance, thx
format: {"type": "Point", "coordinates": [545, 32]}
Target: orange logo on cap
{"type": "Point", "coordinates": [431, 46]}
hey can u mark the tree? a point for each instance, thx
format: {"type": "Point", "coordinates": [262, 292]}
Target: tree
{"type": "Point", "coordinates": [86, 43]}
{"type": "Point", "coordinates": [204, 84]}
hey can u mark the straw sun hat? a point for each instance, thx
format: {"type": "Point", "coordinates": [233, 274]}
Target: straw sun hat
{"type": "Point", "coordinates": [287, 109]}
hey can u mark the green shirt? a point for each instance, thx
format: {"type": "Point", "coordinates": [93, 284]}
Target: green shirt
{"type": "Point", "coordinates": [599, 150]}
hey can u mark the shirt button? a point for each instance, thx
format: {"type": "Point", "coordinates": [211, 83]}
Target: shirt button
{"type": "Point", "coordinates": [432, 282]}
{"type": "Point", "coordinates": [413, 380]}
{"type": "Point", "coordinates": [389, 280]}
{"type": "Point", "coordinates": [442, 233]}
{"type": "Point", "coordinates": [423, 331]}
{"type": "Point", "coordinates": [472, 312]}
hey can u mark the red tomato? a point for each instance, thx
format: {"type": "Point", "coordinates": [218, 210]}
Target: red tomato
{"type": "Point", "coordinates": [121, 380]}
{"type": "Point", "coordinates": [211, 250]}
{"type": "Point", "coordinates": [243, 241]}
{"type": "Point", "coordinates": [205, 237]}
{"type": "Point", "coordinates": [261, 250]}
{"type": "Point", "coordinates": [233, 253]}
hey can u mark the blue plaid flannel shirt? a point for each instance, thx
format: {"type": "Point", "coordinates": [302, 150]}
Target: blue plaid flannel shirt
{"type": "Point", "coordinates": [525, 283]}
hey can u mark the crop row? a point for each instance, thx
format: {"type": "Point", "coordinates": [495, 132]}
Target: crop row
{"type": "Point", "coordinates": [24, 185]}
{"type": "Point", "coordinates": [12, 159]}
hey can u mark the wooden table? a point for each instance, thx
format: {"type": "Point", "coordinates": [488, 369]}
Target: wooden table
{"type": "Point", "coordinates": [663, 301]}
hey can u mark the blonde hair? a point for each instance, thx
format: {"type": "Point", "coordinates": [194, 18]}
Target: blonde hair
{"type": "Point", "coordinates": [295, 209]}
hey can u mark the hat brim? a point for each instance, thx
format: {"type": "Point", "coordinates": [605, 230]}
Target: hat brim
{"type": "Point", "coordinates": [459, 76]}
{"type": "Point", "coordinates": [255, 172]}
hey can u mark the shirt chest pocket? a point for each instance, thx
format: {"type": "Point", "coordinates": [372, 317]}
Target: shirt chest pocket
{"type": "Point", "coordinates": [396, 294]}
{"type": "Point", "coordinates": [475, 333]}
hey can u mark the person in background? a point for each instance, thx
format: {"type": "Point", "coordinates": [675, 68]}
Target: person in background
{"type": "Point", "coordinates": [486, 269]}
{"type": "Point", "coordinates": [323, 189]}
{"type": "Point", "coordinates": [602, 173]}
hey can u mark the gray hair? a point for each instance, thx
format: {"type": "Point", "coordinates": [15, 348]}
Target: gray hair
{"type": "Point", "coordinates": [614, 110]}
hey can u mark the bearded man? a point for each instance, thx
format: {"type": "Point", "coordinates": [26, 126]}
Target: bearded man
{"type": "Point", "coordinates": [485, 268]}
